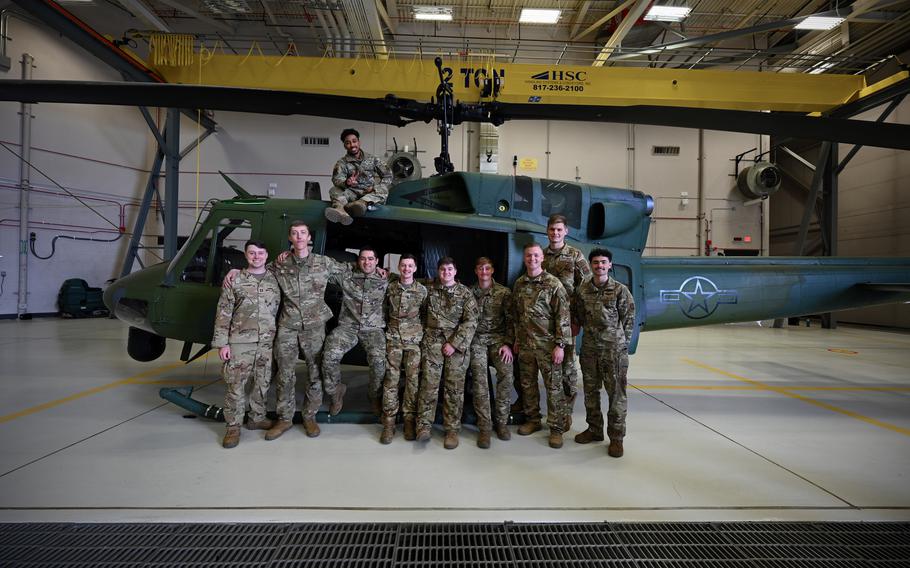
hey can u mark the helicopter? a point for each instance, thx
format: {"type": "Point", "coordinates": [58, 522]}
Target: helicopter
{"type": "Point", "coordinates": [466, 215]}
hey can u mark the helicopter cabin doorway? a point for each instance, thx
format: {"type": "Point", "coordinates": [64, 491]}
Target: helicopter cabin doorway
{"type": "Point", "coordinates": [428, 243]}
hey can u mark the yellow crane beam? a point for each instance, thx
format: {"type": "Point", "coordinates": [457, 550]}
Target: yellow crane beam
{"type": "Point", "coordinates": [523, 83]}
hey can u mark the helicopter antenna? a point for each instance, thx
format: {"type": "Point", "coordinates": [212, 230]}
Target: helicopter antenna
{"type": "Point", "coordinates": [444, 125]}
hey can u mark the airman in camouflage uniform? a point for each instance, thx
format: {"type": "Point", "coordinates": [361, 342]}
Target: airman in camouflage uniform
{"type": "Point", "coordinates": [542, 332]}
{"type": "Point", "coordinates": [303, 277]}
{"type": "Point", "coordinates": [359, 180]}
{"type": "Point", "coordinates": [405, 303]}
{"type": "Point", "coordinates": [361, 319]}
{"type": "Point", "coordinates": [244, 334]}
{"type": "Point", "coordinates": [569, 265]}
{"type": "Point", "coordinates": [492, 344]}
{"type": "Point", "coordinates": [606, 310]}
{"type": "Point", "coordinates": [451, 321]}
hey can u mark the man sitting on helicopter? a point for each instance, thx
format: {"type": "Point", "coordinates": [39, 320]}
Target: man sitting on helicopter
{"type": "Point", "coordinates": [354, 179]}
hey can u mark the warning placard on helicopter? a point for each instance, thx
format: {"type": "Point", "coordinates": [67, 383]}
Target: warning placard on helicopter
{"type": "Point", "coordinates": [559, 81]}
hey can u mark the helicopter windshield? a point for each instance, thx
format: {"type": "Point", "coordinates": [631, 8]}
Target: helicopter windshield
{"type": "Point", "coordinates": [198, 261]}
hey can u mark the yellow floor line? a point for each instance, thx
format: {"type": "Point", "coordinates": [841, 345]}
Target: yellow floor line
{"type": "Point", "coordinates": [787, 388]}
{"type": "Point", "coordinates": [786, 392]}
{"type": "Point", "coordinates": [135, 379]}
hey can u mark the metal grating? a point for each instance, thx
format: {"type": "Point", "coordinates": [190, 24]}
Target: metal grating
{"type": "Point", "coordinates": [352, 545]}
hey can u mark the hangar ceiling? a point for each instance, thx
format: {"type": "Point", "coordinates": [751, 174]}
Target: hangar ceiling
{"type": "Point", "coordinates": [724, 34]}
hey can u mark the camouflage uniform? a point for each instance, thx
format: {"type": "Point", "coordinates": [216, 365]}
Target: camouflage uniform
{"type": "Point", "coordinates": [607, 314]}
{"type": "Point", "coordinates": [451, 318]}
{"type": "Point", "coordinates": [404, 308]}
{"type": "Point", "coordinates": [301, 326]}
{"type": "Point", "coordinates": [572, 268]}
{"type": "Point", "coordinates": [368, 188]}
{"type": "Point", "coordinates": [245, 320]}
{"type": "Point", "coordinates": [541, 310]}
{"type": "Point", "coordinates": [494, 329]}
{"type": "Point", "coordinates": [361, 319]}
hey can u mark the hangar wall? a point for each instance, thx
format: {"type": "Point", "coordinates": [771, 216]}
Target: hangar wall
{"type": "Point", "coordinates": [628, 157]}
{"type": "Point", "coordinates": [103, 155]}
{"type": "Point", "coordinates": [873, 210]}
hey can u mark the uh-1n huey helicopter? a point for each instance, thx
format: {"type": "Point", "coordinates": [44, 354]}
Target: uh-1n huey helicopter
{"type": "Point", "coordinates": [465, 215]}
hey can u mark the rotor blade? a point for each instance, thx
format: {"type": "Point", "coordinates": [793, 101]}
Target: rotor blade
{"type": "Point", "coordinates": [863, 132]}
{"type": "Point", "coordinates": [398, 112]}
{"type": "Point", "coordinates": [214, 98]}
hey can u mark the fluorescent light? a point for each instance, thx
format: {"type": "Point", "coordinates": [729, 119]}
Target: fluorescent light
{"type": "Point", "coordinates": [667, 13]}
{"type": "Point", "coordinates": [818, 23]}
{"type": "Point", "coordinates": [538, 16]}
{"type": "Point", "coordinates": [433, 13]}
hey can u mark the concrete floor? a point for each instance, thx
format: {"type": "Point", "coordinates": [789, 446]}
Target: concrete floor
{"type": "Point", "coordinates": [725, 423]}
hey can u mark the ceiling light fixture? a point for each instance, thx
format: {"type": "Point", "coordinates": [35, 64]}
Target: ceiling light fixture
{"type": "Point", "coordinates": [667, 13]}
{"type": "Point", "coordinates": [539, 16]}
{"type": "Point", "coordinates": [433, 13]}
{"type": "Point", "coordinates": [819, 23]}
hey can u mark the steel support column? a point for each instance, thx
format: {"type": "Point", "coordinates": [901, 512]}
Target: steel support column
{"type": "Point", "coordinates": [25, 169]}
{"type": "Point", "coordinates": [828, 218]}
{"type": "Point", "coordinates": [171, 182]}
{"type": "Point", "coordinates": [821, 166]}
{"type": "Point", "coordinates": [150, 190]}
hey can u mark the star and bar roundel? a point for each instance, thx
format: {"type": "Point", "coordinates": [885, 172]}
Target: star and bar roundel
{"type": "Point", "coordinates": [698, 297]}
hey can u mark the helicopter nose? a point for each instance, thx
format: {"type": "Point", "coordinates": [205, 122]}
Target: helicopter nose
{"type": "Point", "coordinates": [125, 305]}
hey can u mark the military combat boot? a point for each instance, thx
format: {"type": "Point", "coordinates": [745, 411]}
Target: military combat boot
{"type": "Point", "coordinates": [278, 429]}
{"type": "Point", "coordinates": [589, 436]}
{"type": "Point", "coordinates": [264, 424]}
{"type": "Point", "coordinates": [451, 441]}
{"type": "Point", "coordinates": [423, 433]}
{"type": "Point", "coordinates": [410, 428]}
{"type": "Point", "coordinates": [311, 428]}
{"type": "Point", "coordinates": [483, 439]}
{"type": "Point", "coordinates": [338, 399]}
{"type": "Point", "coordinates": [337, 214]}
{"type": "Point", "coordinates": [357, 208]}
{"type": "Point", "coordinates": [529, 427]}
{"type": "Point", "coordinates": [555, 439]}
{"type": "Point", "coordinates": [614, 450]}
{"type": "Point", "coordinates": [231, 437]}
{"type": "Point", "coordinates": [517, 407]}
{"type": "Point", "coordinates": [503, 432]}
{"type": "Point", "coordinates": [388, 430]}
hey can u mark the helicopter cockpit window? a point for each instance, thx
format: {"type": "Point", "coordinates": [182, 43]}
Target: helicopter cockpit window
{"type": "Point", "coordinates": [524, 194]}
{"type": "Point", "coordinates": [207, 265]}
{"type": "Point", "coordinates": [562, 198]}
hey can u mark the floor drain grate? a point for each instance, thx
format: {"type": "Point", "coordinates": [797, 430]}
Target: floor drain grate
{"type": "Point", "coordinates": [393, 545]}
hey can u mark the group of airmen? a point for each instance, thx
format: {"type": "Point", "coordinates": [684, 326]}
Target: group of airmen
{"type": "Point", "coordinates": [428, 333]}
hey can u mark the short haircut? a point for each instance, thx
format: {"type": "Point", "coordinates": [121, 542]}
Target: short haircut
{"type": "Point", "coordinates": [446, 260]}
{"type": "Point", "coordinates": [557, 218]}
{"type": "Point", "coordinates": [483, 260]}
{"type": "Point", "coordinates": [600, 252]}
{"type": "Point", "coordinates": [532, 245]}
{"type": "Point", "coordinates": [255, 243]}
{"type": "Point", "coordinates": [298, 223]}
{"type": "Point", "coordinates": [347, 132]}
{"type": "Point", "coordinates": [407, 256]}
{"type": "Point", "coordinates": [369, 248]}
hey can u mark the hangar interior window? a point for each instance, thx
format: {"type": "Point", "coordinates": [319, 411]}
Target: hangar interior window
{"type": "Point", "coordinates": [563, 198]}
